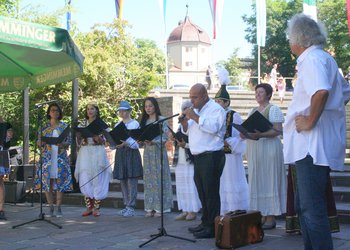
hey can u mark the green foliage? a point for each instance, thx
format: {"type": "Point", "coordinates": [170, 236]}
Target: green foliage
{"type": "Point", "coordinates": [276, 50]}
{"type": "Point", "coordinates": [8, 7]}
{"type": "Point", "coordinates": [115, 68]}
{"type": "Point", "coordinates": [233, 67]}
{"type": "Point", "coordinates": [333, 14]}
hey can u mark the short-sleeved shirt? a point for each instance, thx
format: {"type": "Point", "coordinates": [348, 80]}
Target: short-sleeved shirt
{"type": "Point", "coordinates": [317, 70]}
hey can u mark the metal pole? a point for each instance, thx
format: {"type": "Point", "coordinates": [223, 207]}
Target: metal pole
{"type": "Point", "coordinates": [26, 126]}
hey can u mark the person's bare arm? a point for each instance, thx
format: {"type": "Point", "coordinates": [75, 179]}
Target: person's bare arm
{"type": "Point", "coordinates": [318, 102]}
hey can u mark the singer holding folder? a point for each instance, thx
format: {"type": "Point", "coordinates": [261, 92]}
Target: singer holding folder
{"type": "Point", "coordinates": [128, 163]}
{"type": "Point", "coordinates": [92, 169]}
{"type": "Point", "coordinates": [55, 167]}
{"type": "Point", "coordinates": [266, 171]}
{"type": "Point", "coordinates": [152, 163]}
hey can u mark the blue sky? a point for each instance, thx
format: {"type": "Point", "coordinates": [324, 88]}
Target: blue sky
{"type": "Point", "coordinates": [147, 20]}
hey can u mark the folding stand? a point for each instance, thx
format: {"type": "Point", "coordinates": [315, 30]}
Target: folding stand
{"type": "Point", "coordinates": [41, 214]}
{"type": "Point", "coordinates": [162, 231]}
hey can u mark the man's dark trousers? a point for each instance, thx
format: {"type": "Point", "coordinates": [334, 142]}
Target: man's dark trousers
{"type": "Point", "coordinates": [208, 168]}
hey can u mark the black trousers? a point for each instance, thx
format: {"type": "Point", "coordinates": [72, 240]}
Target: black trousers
{"type": "Point", "coordinates": [208, 168]}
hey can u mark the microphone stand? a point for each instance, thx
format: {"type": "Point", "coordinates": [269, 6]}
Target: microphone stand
{"type": "Point", "coordinates": [162, 231]}
{"type": "Point", "coordinates": [41, 214]}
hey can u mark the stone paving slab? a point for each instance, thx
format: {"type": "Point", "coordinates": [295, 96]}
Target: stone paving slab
{"type": "Point", "coordinates": [111, 231]}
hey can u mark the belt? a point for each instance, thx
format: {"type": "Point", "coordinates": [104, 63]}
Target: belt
{"type": "Point", "coordinates": [210, 152]}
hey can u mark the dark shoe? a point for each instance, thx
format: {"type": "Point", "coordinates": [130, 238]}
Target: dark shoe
{"type": "Point", "coordinates": [268, 226]}
{"type": "Point", "coordinates": [196, 229]}
{"type": "Point", "coordinates": [204, 234]}
{"type": "Point", "coordinates": [2, 215]}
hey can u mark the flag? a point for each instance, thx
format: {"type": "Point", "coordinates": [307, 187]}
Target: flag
{"type": "Point", "coordinates": [119, 8]}
{"type": "Point", "coordinates": [216, 7]}
{"type": "Point", "coordinates": [309, 8]}
{"type": "Point", "coordinates": [348, 9]}
{"type": "Point", "coordinates": [260, 22]}
{"type": "Point", "coordinates": [68, 15]}
{"type": "Point", "coordinates": [162, 5]}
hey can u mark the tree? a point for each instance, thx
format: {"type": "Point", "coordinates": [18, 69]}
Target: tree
{"type": "Point", "coordinates": [117, 68]}
{"type": "Point", "coordinates": [233, 67]}
{"type": "Point", "coordinates": [276, 50]}
{"type": "Point", "coordinates": [333, 14]}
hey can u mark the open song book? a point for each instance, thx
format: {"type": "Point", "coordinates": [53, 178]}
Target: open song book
{"type": "Point", "coordinates": [56, 140]}
{"type": "Point", "coordinates": [256, 121]}
{"type": "Point", "coordinates": [97, 127]}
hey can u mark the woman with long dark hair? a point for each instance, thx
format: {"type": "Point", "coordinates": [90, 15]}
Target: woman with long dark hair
{"type": "Point", "coordinates": [152, 163]}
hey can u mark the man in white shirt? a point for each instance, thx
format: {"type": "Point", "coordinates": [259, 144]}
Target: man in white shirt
{"type": "Point", "coordinates": [315, 129]}
{"type": "Point", "coordinates": [204, 124]}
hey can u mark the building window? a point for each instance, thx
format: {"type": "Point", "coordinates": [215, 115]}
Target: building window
{"type": "Point", "coordinates": [188, 49]}
{"type": "Point", "coordinates": [188, 64]}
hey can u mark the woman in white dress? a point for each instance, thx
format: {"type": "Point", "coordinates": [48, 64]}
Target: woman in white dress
{"type": "Point", "coordinates": [186, 191]}
{"type": "Point", "coordinates": [266, 170]}
{"type": "Point", "coordinates": [234, 191]}
{"type": "Point", "coordinates": [92, 169]}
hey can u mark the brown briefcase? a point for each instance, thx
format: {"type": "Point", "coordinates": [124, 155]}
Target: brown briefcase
{"type": "Point", "coordinates": [238, 228]}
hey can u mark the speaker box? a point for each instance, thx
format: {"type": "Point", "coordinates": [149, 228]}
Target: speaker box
{"type": "Point", "coordinates": [14, 191]}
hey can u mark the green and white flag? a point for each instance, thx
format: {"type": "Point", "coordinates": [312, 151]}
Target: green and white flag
{"type": "Point", "coordinates": [309, 8]}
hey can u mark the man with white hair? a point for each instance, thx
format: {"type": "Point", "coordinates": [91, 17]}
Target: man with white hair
{"type": "Point", "coordinates": [315, 129]}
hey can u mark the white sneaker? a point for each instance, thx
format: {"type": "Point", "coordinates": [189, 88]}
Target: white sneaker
{"type": "Point", "coordinates": [59, 212]}
{"type": "Point", "coordinates": [122, 212]}
{"type": "Point", "coordinates": [129, 212]}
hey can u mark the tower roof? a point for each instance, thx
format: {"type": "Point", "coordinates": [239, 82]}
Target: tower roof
{"type": "Point", "coordinates": [188, 32]}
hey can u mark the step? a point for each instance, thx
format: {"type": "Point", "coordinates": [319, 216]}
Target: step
{"type": "Point", "coordinates": [340, 178]}
{"type": "Point", "coordinates": [341, 193]}
{"type": "Point", "coordinates": [343, 211]}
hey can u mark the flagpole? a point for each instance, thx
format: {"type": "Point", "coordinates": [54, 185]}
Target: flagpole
{"type": "Point", "coordinates": [258, 64]}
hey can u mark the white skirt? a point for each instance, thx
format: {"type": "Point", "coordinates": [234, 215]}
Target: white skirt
{"type": "Point", "coordinates": [186, 191]}
{"type": "Point", "coordinates": [93, 171]}
{"type": "Point", "coordinates": [234, 190]}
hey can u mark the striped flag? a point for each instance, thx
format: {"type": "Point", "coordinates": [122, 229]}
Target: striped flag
{"type": "Point", "coordinates": [216, 7]}
{"type": "Point", "coordinates": [119, 8]}
{"type": "Point", "coordinates": [162, 5]}
{"type": "Point", "coordinates": [348, 9]}
{"type": "Point", "coordinates": [68, 15]}
{"type": "Point", "coordinates": [261, 22]}
{"type": "Point", "coordinates": [309, 8]}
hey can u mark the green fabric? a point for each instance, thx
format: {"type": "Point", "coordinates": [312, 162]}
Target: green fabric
{"type": "Point", "coordinates": [35, 55]}
{"type": "Point", "coordinates": [310, 2]}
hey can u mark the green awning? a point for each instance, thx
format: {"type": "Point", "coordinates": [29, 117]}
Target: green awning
{"type": "Point", "coordinates": [34, 55]}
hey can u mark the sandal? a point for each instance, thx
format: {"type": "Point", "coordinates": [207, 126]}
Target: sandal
{"type": "Point", "coordinates": [96, 213]}
{"type": "Point", "coordinates": [87, 213]}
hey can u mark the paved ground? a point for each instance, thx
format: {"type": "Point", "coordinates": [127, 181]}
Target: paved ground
{"type": "Point", "coordinates": [111, 231]}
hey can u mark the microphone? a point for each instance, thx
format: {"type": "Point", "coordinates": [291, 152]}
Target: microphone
{"type": "Point", "coordinates": [181, 117]}
{"type": "Point", "coordinates": [38, 105]}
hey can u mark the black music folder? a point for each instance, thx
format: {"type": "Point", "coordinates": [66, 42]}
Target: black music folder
{"type": "Point", "coordinates": [96, 127]}
{"type": "Point", "coordinates": [179, 135]}
{"type": "Point", "coordinates": [117, 135]}
{"type": "Point", "coordinates": [254, 122]}
{"type": "Point", "coordinates": [56, 140]}
{"type": "Point", "coordinates": [146, 133]}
